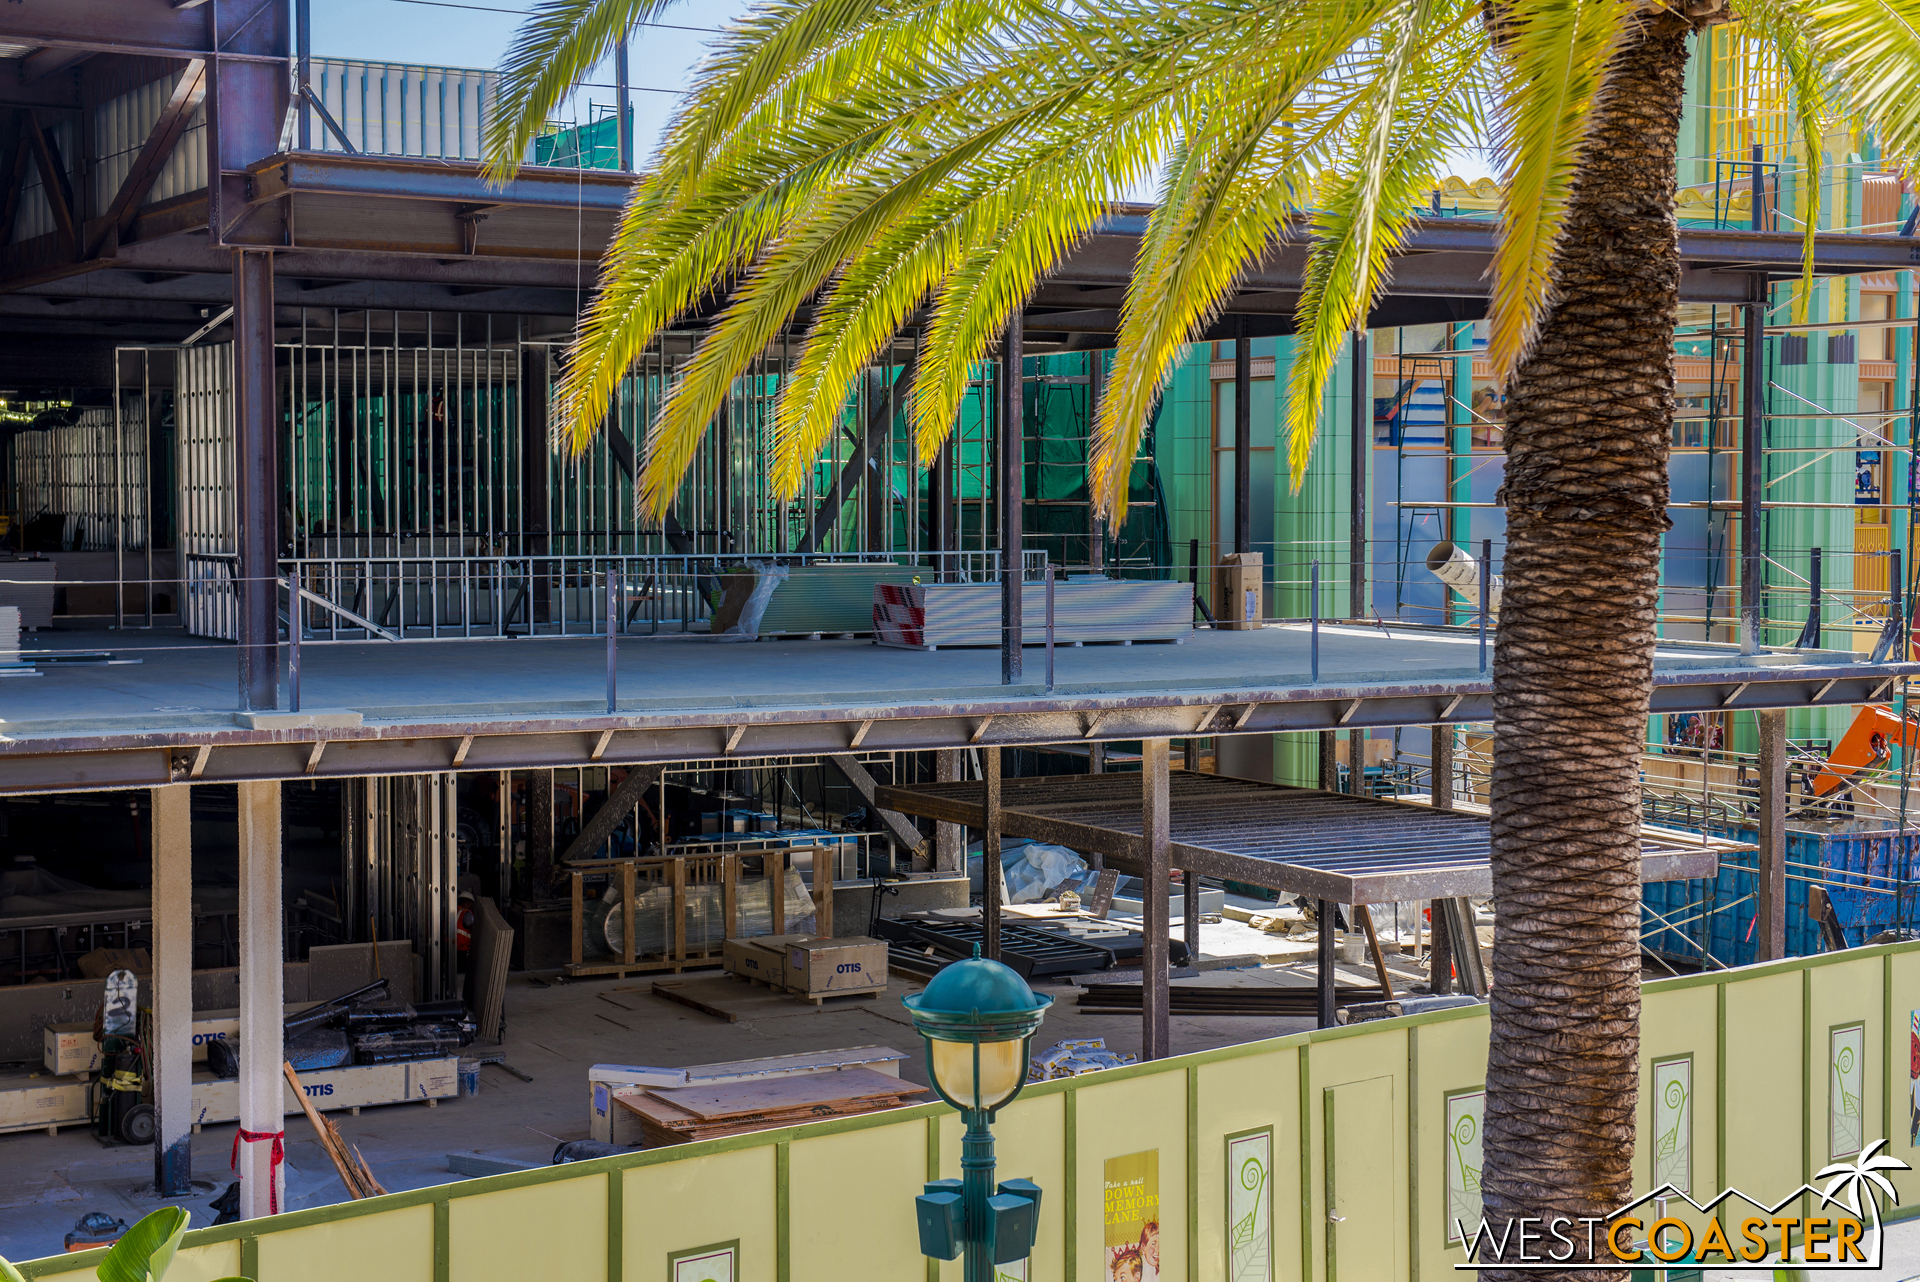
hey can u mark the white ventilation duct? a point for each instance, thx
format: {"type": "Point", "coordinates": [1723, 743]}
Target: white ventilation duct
{"type": "Point", "coordinates": [1461, 572]}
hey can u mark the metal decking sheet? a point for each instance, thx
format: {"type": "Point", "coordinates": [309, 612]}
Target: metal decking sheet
{"type": "Point", "coordinates": [1354, 850]}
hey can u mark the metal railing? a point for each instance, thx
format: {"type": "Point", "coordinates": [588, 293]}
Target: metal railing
{"type": "Point", "coordinates": [441, 598]}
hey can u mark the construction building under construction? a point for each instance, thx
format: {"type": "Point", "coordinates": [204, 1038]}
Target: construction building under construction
{"type": "Point", "coordinates": [328, 654]}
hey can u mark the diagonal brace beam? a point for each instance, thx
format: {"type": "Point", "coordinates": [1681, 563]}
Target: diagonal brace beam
{"type": "Point", "coordinates": [898, 825]}
{"type": "Point", "coordinates": [879, 419]}
{"type": "Point", "coordinates": [188, 93]}
{"type": "Point", "coordinates": [619, 803]}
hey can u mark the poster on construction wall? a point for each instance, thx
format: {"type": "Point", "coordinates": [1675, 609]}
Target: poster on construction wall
{"type": "Point", "coordinates": [1913, 1081]}
{"type": "Point", "coordinates": [1130, 1205]}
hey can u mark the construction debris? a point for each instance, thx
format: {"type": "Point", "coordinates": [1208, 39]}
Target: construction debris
{"type": "Point", "coordinates": [1191, 999]}
{"type": "Point", "coordinates": [354, 1171]}
{"type": "Point", "coordinates": [681, 1115]}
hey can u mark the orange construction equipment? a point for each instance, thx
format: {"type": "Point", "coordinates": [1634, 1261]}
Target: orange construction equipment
{"type": "Point", "coordinates": [1869, 741]}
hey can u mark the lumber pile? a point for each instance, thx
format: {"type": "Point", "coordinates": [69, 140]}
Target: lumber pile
{"type": "Point", "coordinates": [683, 1114]}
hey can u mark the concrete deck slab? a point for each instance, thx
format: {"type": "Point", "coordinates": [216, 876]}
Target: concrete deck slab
{"type": "Point", "coordinates": [520, 703]}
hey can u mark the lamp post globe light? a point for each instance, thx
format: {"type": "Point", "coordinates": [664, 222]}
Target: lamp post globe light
{"type": "Point", "coordinates": [978, 1018]}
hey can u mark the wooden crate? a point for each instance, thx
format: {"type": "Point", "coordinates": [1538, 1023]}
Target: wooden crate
{"type": "Point", "coordinates": [852, 966]}
{"type": "Point", "coordinates": [761, 959]}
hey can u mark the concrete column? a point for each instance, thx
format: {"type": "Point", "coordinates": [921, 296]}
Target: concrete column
{"type": "Point", "coordinates": [1156, 1034]}
{"type": "Point", "coordinates": [1440, 756]}
{"type": "Point", "coordinates": [1770, 936]}
{"type": "Point", "coordinates": [990, 857]}
{"type": "Point", "coordinates": [949, 840]}
{"type": "Point", "coordinates": [256, 479]}
{"type": "Point", "coordinates": [1329, 762]}
{"type": "Point", "coordinates": [1357, 762]}
{"type": "Point", "coordinates": [170, 1056]}
{"type": "Point", "coordinates": [1096, 758]}
{"type": "Point", "coordinates": [262, 1086]}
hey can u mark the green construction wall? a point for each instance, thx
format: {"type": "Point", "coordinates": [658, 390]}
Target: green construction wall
{"type": "Point", "coordinates": [833, 1200]}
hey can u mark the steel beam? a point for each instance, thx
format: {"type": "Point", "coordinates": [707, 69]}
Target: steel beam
{"type": "Point", "coordinates": [108, 26]}
{"type": "Point", "coordinates": [168, 750]}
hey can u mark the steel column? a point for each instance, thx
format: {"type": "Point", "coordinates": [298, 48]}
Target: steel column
{"type": "Point", "coordinates": [1362, 445]}
{"type": "Point", "coordinates": [1440, 761]}
{"type": "Point", "coordinates": [1156, 820]}
{"type": "Point", "coordinates": [1753, 396]}
{"type": "Point", "coordinates": [621, 97]}
{"type": "Point", "coordinates": [170, 1053]}
{"type": "Point", "coordinates": [1008, 489]}
{"type": "Point", "coordinates": [1440, 956]}
{"type": "Point", "coordinates": [990, 856]}
{"type": "Point", "coordinates": [1242, 441]}
{"type": "Point", "coordinates": [1324, 978]}
{"type": "Point", "coordinates": [540, 831]}
{"type": "Point", "coordinates": [262, 1088]}
{"type": "Point", "coordinates": [257, 477]}
{"type": "Point", "coordinates": [1770, 938]}
{"type": "Point", "coordinates": [940, 519]}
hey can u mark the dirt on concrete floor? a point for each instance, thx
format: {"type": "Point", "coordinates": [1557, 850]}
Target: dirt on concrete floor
{"type": "Point", "coordinates": [554, 1032]}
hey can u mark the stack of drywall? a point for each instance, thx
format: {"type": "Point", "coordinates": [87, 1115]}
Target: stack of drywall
{"type": "Point", "coordinates": [930, 615]}
{"type": "Point", "coordinates": [28, 585]}
{"type": "Point", "coordinates": [10, 638]}
{"type": "Point", "coordinates": [830, 598]}
{"type": "Point", "coordinates": [611, 1124]}
{"type": "Point", "coordinates": [682, 1115]}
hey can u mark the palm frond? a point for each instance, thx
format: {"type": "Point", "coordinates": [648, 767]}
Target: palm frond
{"type": "Point", "coordinates": [1417, 108]}
{"type": "Point", "coordinates": [559, 44]}
{"type": "Point", "coordinates": [1556, 53]}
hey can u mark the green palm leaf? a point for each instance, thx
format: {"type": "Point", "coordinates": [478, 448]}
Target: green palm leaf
{"type": "Point", "coordinates": [145, 1251]}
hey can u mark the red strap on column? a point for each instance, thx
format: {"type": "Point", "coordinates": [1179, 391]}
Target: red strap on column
{"type": "Point", "coordinates": [240, 1135]}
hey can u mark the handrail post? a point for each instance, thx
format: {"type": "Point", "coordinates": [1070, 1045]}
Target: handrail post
{"type": "Point", "coordinates": [293, 641]}
{"type": "Point", "coordinates": [1486, 597]}
{"type": "Point", "coordinates": [1049, 627]}
{"type": "Point", "coordinates": [1313, 605]}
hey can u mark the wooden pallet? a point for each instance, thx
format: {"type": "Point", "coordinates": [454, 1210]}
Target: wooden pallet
{"type": "Point", "coordinates": [694, 961]}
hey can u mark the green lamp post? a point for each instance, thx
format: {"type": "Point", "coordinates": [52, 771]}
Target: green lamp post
{"type": "Point", "coordinates": [978, 1018]}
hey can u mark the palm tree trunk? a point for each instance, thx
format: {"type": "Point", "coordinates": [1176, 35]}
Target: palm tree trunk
{"type": "Point", "coordinates": [1588, 425]}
